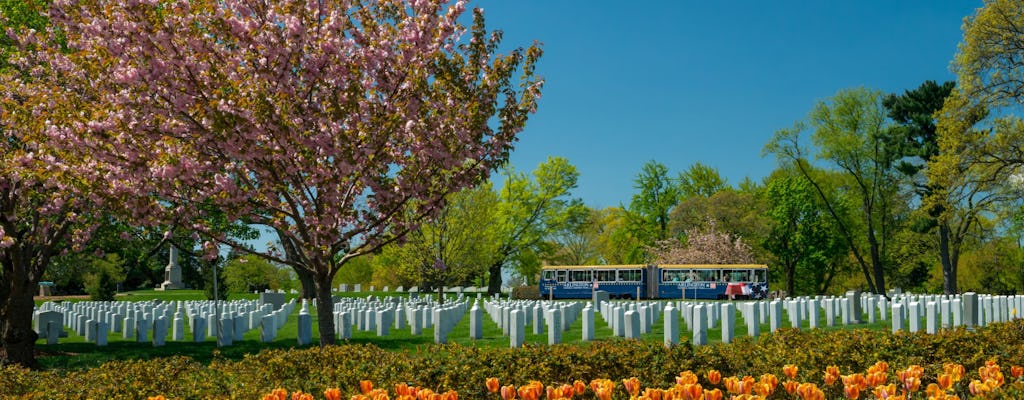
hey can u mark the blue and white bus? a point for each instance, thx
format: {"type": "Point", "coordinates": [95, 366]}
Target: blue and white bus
{"type": "Point", "coordinates": [666, 281]}
{"type": "Point", "coordinates": [580, 281]}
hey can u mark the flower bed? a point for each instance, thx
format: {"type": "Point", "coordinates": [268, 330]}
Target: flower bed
{"type": "Point", "coordinates": [837, 363]}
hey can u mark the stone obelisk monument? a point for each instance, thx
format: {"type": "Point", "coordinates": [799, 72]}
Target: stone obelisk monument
{"type": "Point", "coordinates": [172, 273]}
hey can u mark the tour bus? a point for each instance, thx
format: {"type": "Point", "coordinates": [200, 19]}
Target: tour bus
{"type": "Point", "coordinates": [666, 281]}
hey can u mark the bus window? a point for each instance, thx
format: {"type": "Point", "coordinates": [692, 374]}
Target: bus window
{"type": "Point", "coordinates": [673, 276]}
{"type": "Point", "coordinates": [760, 275]}
{"type": "Point", "coordinates": [549, 275]}
{"type": "Point", "coordinates": [629, 275]}
{"type": "Point", "coordinates": [737, 275]}
{"type": "Point", "coordinates": [561, 275]}
{"type": "Point", "coordinates": [580, 276]}
{"type": "Point", "coordinates": [605, 275]}
{"type": "Point", "coordinates": [707, 275]}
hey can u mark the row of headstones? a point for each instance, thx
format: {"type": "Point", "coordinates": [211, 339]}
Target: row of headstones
{"type": "Point", "coordinates": [513, 316]}
{"type": "Point", "coordinates": [358, 287]}
{"type": "Point", "coordinates": [151, 321]}
{"type": "Point", "coordinates": [414, 314]}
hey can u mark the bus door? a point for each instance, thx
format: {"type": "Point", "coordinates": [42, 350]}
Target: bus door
{"type": "Point", "coordinates": [652, 281]}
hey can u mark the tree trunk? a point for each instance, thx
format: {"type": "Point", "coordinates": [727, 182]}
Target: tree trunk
{"type": "Point", "coordinates": [948, 269]}
{"type": "Point", "coordinates": [790, 279]}
{"type": "Point", "coordinates": [876, 262]}
{"type": "Point", "coordinates": [309, 289]}
{"type": "Point", "coordinates": [18, 339]}
{"type": "Point", "coordinates": [494, 280]}
{"type": "Point", "coordinates": [324, 310]}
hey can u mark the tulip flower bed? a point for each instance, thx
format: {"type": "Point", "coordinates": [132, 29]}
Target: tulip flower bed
{"type": "Point", "coordinates": [788, 364]}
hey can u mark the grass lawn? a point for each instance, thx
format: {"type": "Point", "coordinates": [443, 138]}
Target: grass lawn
{"type": "Point", "coordinates": [73, 352]}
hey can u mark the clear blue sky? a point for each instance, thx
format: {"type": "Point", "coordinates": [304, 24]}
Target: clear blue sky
{"type": "Point", "coordinates": [681, 81]}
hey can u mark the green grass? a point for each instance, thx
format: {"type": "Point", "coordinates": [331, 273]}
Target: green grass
{"type": "Point", "coordinates": [73, 352]}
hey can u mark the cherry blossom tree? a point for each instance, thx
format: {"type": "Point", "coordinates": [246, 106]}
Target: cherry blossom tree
{"type": "Point", "coordinates": [45, 208]}
{"type": "Point", "coordinates": [339, 125]}
{"type": "Point", "coordinates": [708, 246]}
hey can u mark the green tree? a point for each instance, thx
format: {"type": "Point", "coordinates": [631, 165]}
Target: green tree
{"type": "Point", "coordinates": [250, 273]}
{"type": "Point", "coordinates": [616, 243]}
{"type": "Point", "coordinates": [803, 238]}
{"type": "Point", "coordinates": [455, 247]}
{"type": "Point", "coordinates": [701, 180]}
{"type": "Point", "coordinates": [576, 243]}
{"type": "Point", "coordinates": [947, 209]}
{"type": "Point", "coordinates": [849, 135]}
{"type": "Point", "coordinates": [527, 210]}
{"type": "Point", "coordinates": [649, 209]}
{"type": "Point", "coordinates": [102, 279]}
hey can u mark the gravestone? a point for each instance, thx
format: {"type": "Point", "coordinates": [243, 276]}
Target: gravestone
{"type": "Point", "coordinates": [305, 325]}
{"type": "Point", "coordinates": [102, 331]}
{"type": "Point", "coordinates": [813, 313]}
{"type": "Point", "coordinates": [588, 323]}
{"type": "Point", "coordinates": [159, 332]}
{"type": "Point", "coordinates": [276, 300]}
{"type": "Point", "coordinates": [754, 319]}
{"type": "Point", "coordinates": [776, 315]}
{"type": "Point", "coordinates": [970, 307]}
{"type": "Point", "coordinates": [632, 322]}
{"type": "Point", "coordinates": [554, 320]}
{"type": "Point", "coordinates": [931, 317]}
{"type": "Point", "coordinates": [855, 311]}
{"type": "Point", "coordinates": [897, 317]}
{"type": "Point", "coordinates": [172, 273]}
{"type": "Point", "coordinates": [700, 332]}
{"type": "Point", "coordinates": [728, 322]}
{"type": "Point", "coordinates": [476, 322]}
{"type": "Point", "coordinates": [517, 329]}
{"type": "Point", "coordinates": [914, 317]}
{"type": "Point", "coordinates": [671, 325]}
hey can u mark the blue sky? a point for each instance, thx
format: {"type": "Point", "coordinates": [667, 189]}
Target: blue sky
{"type": "Point", "coordinates": [710, 81]}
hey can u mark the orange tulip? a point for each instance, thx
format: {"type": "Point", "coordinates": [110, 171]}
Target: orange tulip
{"type": "Point", "coordinates": [492, 385]}
{"type": "Point", "coordinates": [912, 383]}
{"type": "Point", "coordinates": [851, 391]}
{"type": "Point", "coordinates": [978, 388]}
{"type": "Point", "coordinates": [528, 393]}
{"type": "Point", "coordinates": [875, 378]}
{"type": "Point", "coordinates": [332, 394]}
{"type": "Point", "coordinates": [277, 394]}
{"type": "Point", "coordinates": [365, 386]}
{"type": "Point", "coordinates": [568, 391]}
{"type": "Point", "coordinates": [653, 394]}
{"type": "Point", "coordinates": [808, 391]}
{"type": "Point", "coordinates": [360, 397]}
{"type": "Point", "coordinates": [714, 376]}
{"type": "Point", "coordinates": [1016, 371]}
{"type": "Point", "coordinates": [508, 392]}
{"type": "Point", "coordinates": [632, 386]}
{"type": "Point", "coordinates": [713, 394]}
{"type": "Point", "coordinates": [955, 370]}
{"type": "Point", "coordinates": [579, 387]}
{"type": "Point", "coordinates": [402, 389]}
{"type": "Point", "coordinates": [945, 381]}
{"type": "Point", "coordinates": [790, 370]}
{"type": "Point", "coordinates": [301, 396]}
{"type": "Point", "coordinates": [771, 381]}
{"type": "Point", "coordinates": [603, 393]}
{"type": "Point", "coordinates": [791, 387]}
{"type": "Point", "coordinates": [686, 377]}
{"type": "Point", "coordinates": [450, 395]}
{"type": "Point", "coordinates": [157, 397]}
{"type": "Point", "coordinates": [885, 392]}
{"type": "Point", "coordinates": [762, 389]}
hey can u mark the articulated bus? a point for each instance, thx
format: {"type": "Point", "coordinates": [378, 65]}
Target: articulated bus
{"type": "Point", "coordinates": [665, 281]}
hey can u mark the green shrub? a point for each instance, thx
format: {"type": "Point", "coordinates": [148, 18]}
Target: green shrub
{"type": "Point", "coordinates": [465, 368]}
{"type": "Point", "coordinates": [526, 292]}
